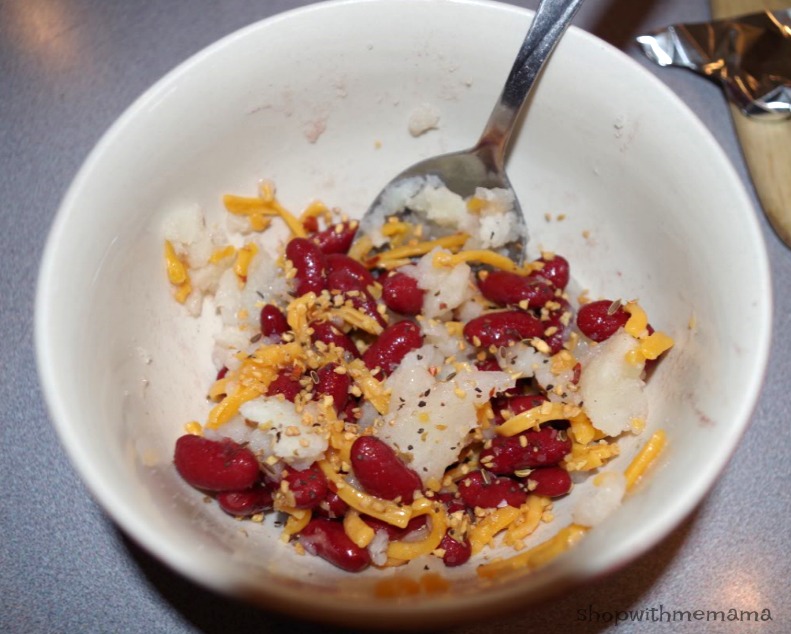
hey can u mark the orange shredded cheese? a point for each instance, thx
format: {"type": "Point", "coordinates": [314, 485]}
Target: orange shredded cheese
{"type": "Point", "coordinates": [589, 457]}
{"type": "Point", "coordinates": [385, 510]}
{"type": "Point", "coordinates": [314, 210]}
{"type": "Point", "coordinates": [650, 347]}
{"type": "Point", "coordinates": [421, 248]}
{"type": "Point", "coordinates": [297, 520]}
{"type": "Point", "coordinates": [226, 409]}
{"type": "Point", "coordinates": [637, 324]}
{"type": "Point", "coordinates": [529, 518]}
{"type": "Point", "coordinates": [644, 458]}
{"type": "Point", "coordinates": [480, 256]}
{"type": "Point", "coordinates": [406, 551]}
{"type": "Point", "coordinates": [177, 272]}
{"type": "Point", "coordinates": [535, 557]}
{"type": "Point", "coordinates": [244, 256]}
{"type": "Point", "coordinates": [535, 416]}
{"type": "Point", "coordinates": [483, 532]}
{"type": "Point", "coordinates": [356, 529]}
{"type": "Point", "coordinates": [222, 253]}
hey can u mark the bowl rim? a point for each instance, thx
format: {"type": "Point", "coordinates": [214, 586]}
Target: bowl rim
{"type": "Point", "coordinates": [418, 613]}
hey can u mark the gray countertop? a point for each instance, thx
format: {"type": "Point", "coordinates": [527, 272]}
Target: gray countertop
{"type": "Point", "coordinates": [68, 68]}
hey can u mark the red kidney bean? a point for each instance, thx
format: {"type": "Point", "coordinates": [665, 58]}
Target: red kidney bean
{"type": "Point", "coordinates": [556, 340]}
{"type": "Point", "coordinates": [501, 328]}
{"type": "Point", "coordinates": [332, 505]}
{"type": "Point", "coordinates": [393, 532]}
{"type": "Point", "coordinates": [327, 539]}
{"type": "Point", "coordinates": [452, 502]}
{"type": "Point", "coordinates": [339, 264]}
{"type": "Point", "coordinates": [309, 486]}
{"type": "Point", "coordinates": [595, 321]}
{"type": "Point", "coordinates": [381, 472]}
{"type": "Point", "coordinates": [333, 384]}
{"type": "Point", "coordinates": [489, 492]}
{"type": "Point", "coordinates": [555, 271]}
{"type": "Point", "coordinates": [273, 321]}
{"type": "Point", "coordinates": [392, 346]}
{"type": "Point", "coordinates": [351, 413]}
{"type": "Point", "coordinates": [311, 224]}
{"type": "Point", "coordinates": [215, 465]}
{"type": "Point", "coordinates": [550, 481]}
{"type": "Point", "coordinates": [402, 295]}
{"type": "Point", "coordinates": [541, 447]}
{"type": "Point", "coordinates": [310, 264]}
{"type": "Point", "coordinates": [337, 238]}
{"type": "Point", "coordinates": [256, 499]}
{"type": "Point", "coordinates": [456, 552]}
{"type": "Point", "coordinates": [360, 298]}
{"type": "Point", "coordinates": [327, 333]}
{"type": "Point", "coordinates": [515, 404]}
{"type": "Point", "coordinates": [509, 289]}
{"type": "Point", "coordinates": [285, 384]}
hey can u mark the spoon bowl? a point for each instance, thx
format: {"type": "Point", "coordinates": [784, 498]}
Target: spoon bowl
{"type": "Point", "coordinates": [483, 166]}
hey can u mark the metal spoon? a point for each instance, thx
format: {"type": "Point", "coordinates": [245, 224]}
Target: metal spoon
{"type": "Point", "coordinates": [484, 164]}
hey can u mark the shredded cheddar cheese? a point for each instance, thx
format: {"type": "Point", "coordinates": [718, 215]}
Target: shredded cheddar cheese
{"type": "Point", "coordinates": [485, 529]}
{"type": "Point", "coordinates": [385, 510]}
{"type": "Point", "coordinates": [591, 456]}
{"type": "Point", "coordinates": [530, 514]}
{"type": "Point", "coordinates": [221, 254]}
{"type": "Point", "coordinates": [480, 256]}
{"type": "Point", "coordinates": [357, 530]}
{"type": "Point", "coordinates": [421, 248]}
{"type": "Point", "coordinates": [177, 272]}
{"type": "Point", "coordinates": [644, 458]}
{"type": "Point", "coordinates": [535, 557]}
{"type": "Point", "coordinates": [404, 550]}
{"type": "Point", "coordinates": [243, 258]}
{"type": "Point", "coordinates": [297, 520]}
{"type": "Point", "coordinates": [226, 409]}
{"type": "Point", "coordinates": [315, 209]}
{"type": "Point", "coordinates": [535, 416]}
{"type": "Point", "coordinates": [637, 324]}
{"type": "Point", "coordinates": [650, 348]}
{"type": "Point", "coordinates": [582, 430]}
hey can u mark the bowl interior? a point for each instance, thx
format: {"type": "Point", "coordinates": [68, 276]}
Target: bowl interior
{"type": "Point", "coordinates": [319, 100]}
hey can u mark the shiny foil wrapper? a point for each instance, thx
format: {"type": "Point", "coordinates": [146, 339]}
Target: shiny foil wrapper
{"type": "Point", "coordinates": [749, 55]}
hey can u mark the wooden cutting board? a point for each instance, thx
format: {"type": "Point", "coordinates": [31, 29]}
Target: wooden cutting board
{"type": "Point", "coordinates": [766, 144]}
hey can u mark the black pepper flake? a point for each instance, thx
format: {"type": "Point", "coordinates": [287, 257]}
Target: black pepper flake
{"type": "Point", "coordinates": [549, 387]}
{"type": "Point", "coordinates": [420, 357]}
{"type": "Point", "coordinates": [451, 376]}
{"type": "Point", "coordinates": [409, 447]}
{"type": "Point", "coordinates": [421, 430]}
{"type": "Point", "coordinates": [426, 393]}
{"type": "Point", "coordinates": [421, 404]}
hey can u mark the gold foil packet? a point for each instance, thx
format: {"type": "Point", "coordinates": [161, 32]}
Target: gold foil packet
{"type": "Point", "coordinates": [749, 55]}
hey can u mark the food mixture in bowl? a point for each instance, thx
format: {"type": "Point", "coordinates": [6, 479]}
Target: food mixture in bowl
{"type": "Point", "coordinates": [409, 393]}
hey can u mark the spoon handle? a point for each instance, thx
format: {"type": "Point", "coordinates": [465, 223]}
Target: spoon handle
{"type": "Point", "coordinates": [550, 22]}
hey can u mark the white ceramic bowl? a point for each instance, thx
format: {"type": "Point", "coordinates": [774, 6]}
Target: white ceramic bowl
{"type": "Point", "coordinates": [319, 101]}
